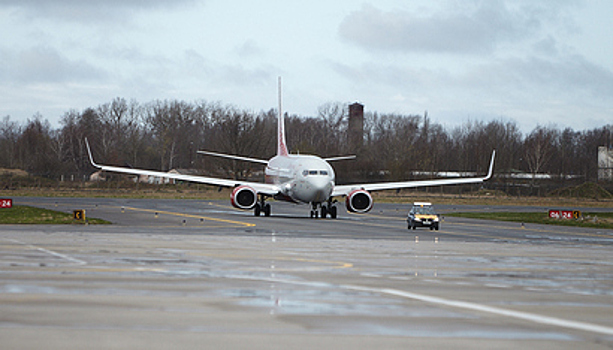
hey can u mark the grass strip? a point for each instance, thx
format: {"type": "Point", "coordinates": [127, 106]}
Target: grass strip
{"type": "Point", "coordinates": [595, 220]}
{"type": "Point", "coordinates": [22, 214]}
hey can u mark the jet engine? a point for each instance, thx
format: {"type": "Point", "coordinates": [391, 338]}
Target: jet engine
{"type": "Point", "coordinates": [359, 201]}
{"type": "Point", "coordinates": [244, 197]}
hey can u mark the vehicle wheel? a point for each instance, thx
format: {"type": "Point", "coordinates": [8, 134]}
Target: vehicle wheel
{"type": "Point", "coordinates": [324, 211]}
{"type": "Point", "coordinates": [257, 210]}
{"type": "Point", "coordinates": [436, 227]}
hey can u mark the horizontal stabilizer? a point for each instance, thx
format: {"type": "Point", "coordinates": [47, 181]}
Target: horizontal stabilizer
{"type": "Point", "coordinates": [333, 159]}
{"type": "Point", "coordinates": [230, 156]}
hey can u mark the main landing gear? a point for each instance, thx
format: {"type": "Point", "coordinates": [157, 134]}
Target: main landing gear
{"type": "Point", "coordinates": [262, 207]}
{"type": "Point", "coordinates": [325, 209]}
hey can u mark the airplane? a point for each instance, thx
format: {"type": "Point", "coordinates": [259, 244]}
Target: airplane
{"type": "Point", "coordinates": [295, 178]}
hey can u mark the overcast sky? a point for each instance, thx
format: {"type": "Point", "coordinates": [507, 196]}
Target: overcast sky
{"type": "Point", "coordinates": [533, 62]}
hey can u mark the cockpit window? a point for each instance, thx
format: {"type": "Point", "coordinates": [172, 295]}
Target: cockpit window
{"type": "Point", "coordinates": [314, 172]}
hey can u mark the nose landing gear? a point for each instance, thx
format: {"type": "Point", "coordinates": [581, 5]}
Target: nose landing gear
{"type": "Point", "coordinates": [325, 209]}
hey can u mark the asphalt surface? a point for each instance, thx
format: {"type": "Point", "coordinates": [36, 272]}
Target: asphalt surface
{"type": "Point", "coordinates": [200, 274]}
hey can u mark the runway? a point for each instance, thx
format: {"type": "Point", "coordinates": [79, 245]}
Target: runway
{"type": "Point", "coordinates": [194, 274]}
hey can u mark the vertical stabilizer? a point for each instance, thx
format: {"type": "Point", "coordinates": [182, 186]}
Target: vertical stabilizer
{"type": "Point", "coordinates": [281, 144]}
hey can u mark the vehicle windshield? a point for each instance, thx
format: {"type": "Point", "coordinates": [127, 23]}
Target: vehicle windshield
{"type": "Point", "coordinates": [424, 210]}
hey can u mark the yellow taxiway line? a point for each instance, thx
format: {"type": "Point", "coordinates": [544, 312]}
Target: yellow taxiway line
{"type": "Point", "coordinates": [240, 223]}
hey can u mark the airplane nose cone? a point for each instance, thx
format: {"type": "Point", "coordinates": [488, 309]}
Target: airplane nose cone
{"type": "Point", "coordinates": [321, 189]}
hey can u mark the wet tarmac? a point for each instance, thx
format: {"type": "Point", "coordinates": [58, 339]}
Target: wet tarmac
{"type": "Point", "coordinates": [200, 274]}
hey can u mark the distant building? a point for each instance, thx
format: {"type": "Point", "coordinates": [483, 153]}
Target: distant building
{"type": "Point", "coordinates": [605, 164]}
{"type": "Point", "coordinates": [97, 176]}
{"type": "Point", "coordinates": [156, 180]}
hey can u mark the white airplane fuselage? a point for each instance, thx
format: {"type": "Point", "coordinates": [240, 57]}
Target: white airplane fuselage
{"type": "Point", "coordinates": [301, 178]}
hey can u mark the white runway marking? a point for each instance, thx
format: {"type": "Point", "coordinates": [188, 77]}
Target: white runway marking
{"type": "Point", "coordinates": [546, 320]}
{"type": "Point", "coordinates": [50, 252]}
{"type": "Point", "coordinates": [552, 321]}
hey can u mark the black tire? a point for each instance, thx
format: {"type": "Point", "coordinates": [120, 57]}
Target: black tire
{"type": "Point", "coordinates": [257, 210]}
{"type": "Point", "coordinates": [333, 212]}
{"type": "Point", "coordinates": [266, 209]}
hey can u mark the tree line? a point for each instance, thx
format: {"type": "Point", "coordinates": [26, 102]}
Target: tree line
{"type": "Point", "coordinates": [165, 135]}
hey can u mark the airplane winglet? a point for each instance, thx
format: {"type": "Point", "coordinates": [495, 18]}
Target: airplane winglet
{"type": "Point", "coordinates": [491, 170]}
{"type": "Point", "coordinates": [91, 158]}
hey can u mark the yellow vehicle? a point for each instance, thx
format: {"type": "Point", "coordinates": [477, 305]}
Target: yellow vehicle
{"type": "Point", "coordinates": [422, 214]}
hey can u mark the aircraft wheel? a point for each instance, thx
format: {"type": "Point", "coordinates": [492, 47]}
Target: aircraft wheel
{"type": "Point", "coordinates": [257, 210]}
{"type": "Point", "coordinates": [324, 211]}
{"type": "Point", "coordinates": [333, 212]}
{"type": "Point", "coordinates": [266, 209]}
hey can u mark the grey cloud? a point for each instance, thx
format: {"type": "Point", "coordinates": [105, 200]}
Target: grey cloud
{"type": "Point", "coordinates": [45, 65]}
{"type": "Point", "coordinates": [87, 10]}
{"type": "Point", "coordinates": [501, 86]}
{"type": "Point", "coordinates": [477, 30]}
{"type": "Point", "coordinates": [571, 76]}
{"type": "Point", "coordinates": [195, 65]}
{"type": "Point", "coordinates": [249, 48]}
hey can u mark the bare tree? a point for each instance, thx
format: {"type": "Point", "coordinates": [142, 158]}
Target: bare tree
{"type": "Point", "coordinates": [75, 128]}
{"type": "Point", "coordinates": [9, 134]}
{"type": "Point", "coordinates": [171, 124]}
{"type": "Point", "coordinates": [241, 133]}
{"type": "Point", "coordinates": [333, 137]}
{"type": "Point", "coordinates": [392, 141]}
{"type": "Point", "coordinates": [539, 148]}
{"type": "Point", "coordinates": [34, 148]}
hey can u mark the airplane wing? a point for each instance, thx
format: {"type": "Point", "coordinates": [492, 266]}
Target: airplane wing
{"type": "Point", "coordinates": [344, 190]}
{"type": "Point", "coordinates": [266, 189]}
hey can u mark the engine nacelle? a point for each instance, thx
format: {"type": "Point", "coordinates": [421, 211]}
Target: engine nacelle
{"type": "Point", "coordinates": [359, 201]}
{"type": "Point", "coordinates": [244, 197]}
